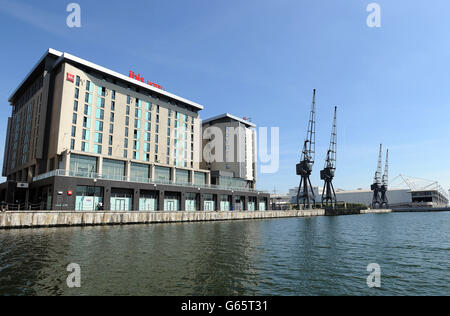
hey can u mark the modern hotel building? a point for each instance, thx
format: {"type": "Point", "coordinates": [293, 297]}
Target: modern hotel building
{"type": "Point", "coordinates": [83, 137]}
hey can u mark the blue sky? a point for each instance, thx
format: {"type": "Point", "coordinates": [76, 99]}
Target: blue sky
{"type": "Point", "coordinates": [261, 59]}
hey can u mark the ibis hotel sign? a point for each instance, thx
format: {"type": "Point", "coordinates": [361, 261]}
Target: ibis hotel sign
{"type": "Point", "coordinates": [141, 79]}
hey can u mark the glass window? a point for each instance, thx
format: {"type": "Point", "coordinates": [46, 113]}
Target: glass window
{"type": "Point", "coordinates": [182, 176]}
{"type": "Point", "coordinates": [74, 131]}
{"type": "Point", "coordinates": [113, 94]}
{"type": "Point", "coordinates": [111, 117]}
{"type": "Point", "coordinates": [75, 106]}
{"type": "Point", "coordinates": [139, 171]}
{"type": "Point", "coordinates": [86, 134]}
{"type": "Point", "coordinates": [84, 164]}
{"type": "Point", "coordinates": [126, 131]}
{"type": "Point", "coordinates": [84, 146]}
{"type": "Point", "coordinates": [128, 110]}
{"type": "Point", "coordinates": [128, 99]}
{"type": "Point", "coordinates": [111, 128]}
{"type": "Point", "coordinates": [77, 93]}
{"type": "Point", "coordinates": [127, 121]}
{"type": "Point", "coordinates": [98, 137]}
{"type": "Point", "coordinates": [113, 169]}
{"type": "Point", "coordinates": [87, 110]}
{"type": "Point", "coordinates": [110, 140]}
{"type": "Point", "coordinates": [99, 126]}
{"type": "Point", "coordinates": [162, 173]}
{"type": "Point", "coordinates": [77, 81]}
{"type": "Point", "coordinates": [113, 105]}
{"type": "Point", "coordinates": [72, 144]}
{"type": "Point", "coordinates": [74, 119]}
{"type": "Point", "coordinates": [97, 149]}
{"type": "Point", "coordinates": [137, 124]}
{"type": "Point", "coordinates": [86, 122]}
{"type": "Point", "coordinates": [100, 114]}
{"type": "Point", "coordinates": [109, 151]}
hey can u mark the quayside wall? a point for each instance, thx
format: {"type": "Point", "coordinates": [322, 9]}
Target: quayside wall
{"type": "Point", "coordinates": [36, 219]}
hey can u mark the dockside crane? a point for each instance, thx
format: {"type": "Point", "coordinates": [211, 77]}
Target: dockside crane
{"type": "Point", "coordinates": [304, 168]}
{"type": "Point", "coordinates": [384, 184]}
{"type": "Point", "coordinates": [376, 186]}
{"type": "Point", "coordinates": [327, 174]}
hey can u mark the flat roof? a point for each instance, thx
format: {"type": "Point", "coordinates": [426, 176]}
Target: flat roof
{"type": "Point", "coordinates": [228, 115]}
{"type": "Point", "coordinates": [66, 56]}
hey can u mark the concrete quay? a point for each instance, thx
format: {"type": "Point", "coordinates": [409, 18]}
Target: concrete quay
{"type": "Point", "coordinates": [36, 219]}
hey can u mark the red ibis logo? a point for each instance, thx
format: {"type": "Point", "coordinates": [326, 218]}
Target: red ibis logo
{"type": "Point", "coordinates": [141, 79]}
{"type": "Point", "coordinates": [70, 77]}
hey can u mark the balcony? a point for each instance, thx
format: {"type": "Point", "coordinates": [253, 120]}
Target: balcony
{"type": "Point", "coordinates": [91, 175]}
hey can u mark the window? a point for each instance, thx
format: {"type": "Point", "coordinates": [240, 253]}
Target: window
{"type": "Point", "coordinates": [86, 122]}
{"type": "Point", "coordinates": [72, 144]}
{"type": "Point", "coordinates": [111, 117]}
{"type": "Point", "coordinates": [77, 93]}
{"type": "Point", "coordinates": [89, 87]}
{"type": "Point", "coordinates": [127, 121]}
{"type": "Point", "coordinates": [148, 126]}
{"type": "Point", "coordinates": [148, 116]}
{"type": "Point", "coordinates": [111, 128]}
{"type": "Point", "coordinates": [157, 109]}
{"type": "Point", "coordinates": [88, 98]}
{"type": "Point", "coordinates": [137, 124]}
{"type": "Point", "coordinates": [136, 145]}
{"type": "Point", "coordinates": [125, 143]}
{"type": "Point", "coordinates": [168, 131]}
{"type": "Point", "coordinates": [100, 114]}
{"type": "Point", "coordinates": [170, 114]}
{"type": "Point", "coordinates": [110, 140]}
{"type": "Point", "coordinates": [157, 118]}
{"type": "Point", "coordinates": [75, 106]}
{"type": "Point", "coordinates": [113, 105]}
{"type": "Point", "coordinates": [128, 110]}
{"type": "Point", "coordinates": [135, 155]}
{"type": "Point", "coordinates": [85, 134]}
{"type": "Point", "coordinates": [156, 139]}
{"type": "Point", "coordinates": [101, 102]}
{"type": "Point", "coordinates": [84, 146]}
{"type": "Point", "coordinates": [99, 138]}
{"type": "Point", "coordinates": [99, 126]}
{"type": "Point", "coordinates": [77, 81]}
{"type": "Point", "coordinates": [147, 157]}
{"type": "Point", "coordinates": [128, 99]}
{"type": "Point", "coordinates": [101, 91]}
{"type": "Point", "coordinates": [126, 131]}
{"type": "Point", "coordinates": [109, 151]}
{"type": "Point", "coordinates": [157, 129]}
{"type": "Point", "coordinates": [147, 147]}
{"type": "Point", "coordinates": [156, 148]}
{"type": "Point", "coordinates": [138, 113]}
{"type": "Point", "coordinates": [74, 119]}
{"type": "Point", "coordinates": [125, 153]}
{"type": "Point", "coordinates": [113, 95]}
{"type": "Point", "coordinates": [87, 110]}
{"type": "Point", "coordinates": [137, 134]}
{"type": "Point", "coordinates": [168, 141]}
{"type": "Point", "coordinates": [168, 122]}
{"type": "Point", "coordinates": [138, 103]}
{"type": "Point", "coordinates": [97, 149]}
{"type": "Point", "coordinates": [74, 131]}
{"type": "Point", "coordinates": [147, 137]}
{"type": "Point", "coordinates": [148, 106]}
{"type": "Point", "coordinates": [168, 151]}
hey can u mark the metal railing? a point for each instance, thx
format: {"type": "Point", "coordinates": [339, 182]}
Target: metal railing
{"type": "Point", "coordinates": [91, 175]}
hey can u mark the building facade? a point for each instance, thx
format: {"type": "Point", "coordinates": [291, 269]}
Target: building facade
{"type": "Point", "coordinates": [84, 137]}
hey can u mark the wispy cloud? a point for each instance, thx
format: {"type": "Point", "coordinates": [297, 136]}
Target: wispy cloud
{"type": "Point", "coordinates": [34, 16]}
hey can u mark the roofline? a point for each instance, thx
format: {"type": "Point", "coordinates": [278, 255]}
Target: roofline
{"type": "Point", "coordinates": [229, 116]}
{"type": "Point", "coordinates": [50, 51]}
{"type": "Point", "coordinates": [67, 56]}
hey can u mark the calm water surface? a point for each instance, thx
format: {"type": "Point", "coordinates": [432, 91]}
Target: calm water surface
{"type": "Point", "coordinates": [298, 256]}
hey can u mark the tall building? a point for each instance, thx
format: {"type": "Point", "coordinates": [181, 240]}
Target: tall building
{"type": "Point", "coordinates": [82, 136]}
